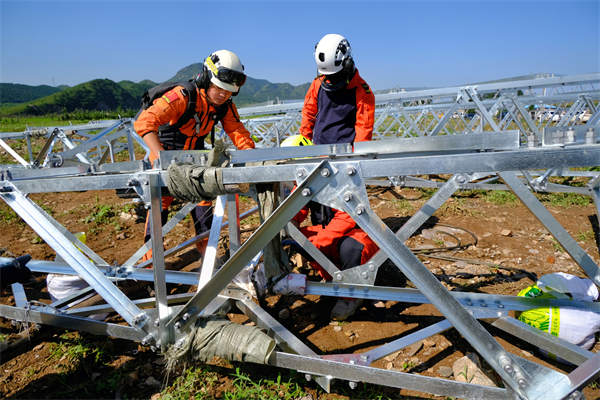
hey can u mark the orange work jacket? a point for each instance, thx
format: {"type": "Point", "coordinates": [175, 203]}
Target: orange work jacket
{"type": "Point", "coordinates": [173, 104]}
{"type": "Point", "coordinates": [356, 98]}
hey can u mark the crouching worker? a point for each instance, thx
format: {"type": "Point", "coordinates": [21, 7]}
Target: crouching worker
{"type": "Point", "coordinates": [342, 242]}
{"type": "Point", "coordinates": [174, 122]}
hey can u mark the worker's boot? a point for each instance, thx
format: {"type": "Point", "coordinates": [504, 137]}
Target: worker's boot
{"type": "Point", "coordinates": [345, 308]}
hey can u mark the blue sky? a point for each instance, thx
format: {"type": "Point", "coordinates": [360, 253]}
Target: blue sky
{"type": "Point", "coordinates": [395, 43]}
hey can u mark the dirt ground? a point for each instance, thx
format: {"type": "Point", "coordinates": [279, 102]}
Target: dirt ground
{"type": "Point", "coordinates": [512, 249]}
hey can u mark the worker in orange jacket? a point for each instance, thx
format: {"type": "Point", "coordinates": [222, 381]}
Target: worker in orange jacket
{"type": "Point", "coordinates": [339, 107]}
{"type": "Point", "coordinates": [343, 243]}
{"type": "Point", "coordinates": [221, 78]}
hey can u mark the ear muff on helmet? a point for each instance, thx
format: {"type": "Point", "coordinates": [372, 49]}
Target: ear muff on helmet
{"type": "Point", "coordinates": [203, 79]}
{"type": "Point", "coordinates": [348, 66]}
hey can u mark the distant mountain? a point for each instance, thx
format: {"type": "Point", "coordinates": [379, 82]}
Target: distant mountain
{"type": "Point", "coordinates": [17, 93]}
{"type": "Point", "coordinates": [254, 90]}
{"type": "Point", "coordinates": [137, 89]}
{"type": "Point", "coordinates": [104, 94]}
{"type": "Point", "coordinates": [99, 94]}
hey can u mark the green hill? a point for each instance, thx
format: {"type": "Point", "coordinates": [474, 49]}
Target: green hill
{"type": "Point", "coordinates": [99, 94]}
{"type": "Point", "coordinates": [254, 91]}
{"type": "Point", "coordinates": [104, 94]}
{"type": "Point", "coordinates": [17, 93]}
{"type": "Point", "coordinates": [137, 89]}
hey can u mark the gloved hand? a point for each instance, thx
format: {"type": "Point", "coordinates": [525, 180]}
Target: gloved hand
{"type": "Point", "coordinates": [13, 270]}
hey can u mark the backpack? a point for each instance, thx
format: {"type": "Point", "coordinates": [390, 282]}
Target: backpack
{"type": "Point", "coordinates": [190, 86]}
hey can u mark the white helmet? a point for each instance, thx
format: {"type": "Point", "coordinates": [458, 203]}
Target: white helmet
{"type": "Point", "coordinates": [224, 69]}
{"type": "Point", "coordinates": [331, 52]}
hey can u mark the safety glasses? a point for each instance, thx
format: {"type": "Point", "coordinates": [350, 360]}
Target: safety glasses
{"type": "Point", "coordinates": [231, 76]}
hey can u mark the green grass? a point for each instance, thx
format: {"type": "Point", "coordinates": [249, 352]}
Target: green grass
{"type": "Point", "coordinates": [565, 200]}
{"type": "Point", "coordinates": [200, 383]}
{"type": "Point", "coordinates": [20, 124]}
{"type": "Point", "coordinates": [500, 197]}
{"type": "Point", "coordinates": [585, 236]}
{"type": "Point", "coordinates": [556, 246]}
{"type": "Point", "coordinates": [402, 205]}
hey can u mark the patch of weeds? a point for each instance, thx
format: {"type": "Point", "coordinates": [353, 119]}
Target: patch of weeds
{"type": "Point", "coordinates": [103, 214]}
{"type": "Point", "coordinates": [402, 205]}
{"type": "Point", "coordinates": [73, 347]}
{"type": "Point", "coordinates": [585, 236]}
{"type": "Point", "coordinates": [456, 207]}
{"type": "Point", "coordinates": [565, 200]}
{"type": "Point", "coordinates": [37, 240]}
{"type": "Point", "coordinates": [195, 381]}
{"type": "Point", "coordinates": [426, 193]}
{"type": "Point", "coordinates": [408, 365]}
{"type": "Point", "coordinates": [9, 216]}
{"type": "Point", "coordinates": [501, 197]}
{"type": "Point", "coordinates": [47, 209]}
{"type": "Point", "coordinates": [556, 245]}
{"type": "Point", "coordinates": [31, 371]}
{"type": "Point", "coordinates": [75, 353]}
{"type": "Point", "coordinates": [464, 373]}
{"type": "Point", "coordinates": [3, 337]}
{"type": "Point", "coordinates": [251, 220]}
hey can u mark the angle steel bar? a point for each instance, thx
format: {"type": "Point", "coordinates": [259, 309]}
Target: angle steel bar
{"type": "Point", "coordinates": [353, 372]}
{"type": "Point", "coordinates": [233, 214]}
{"type": "Point", "coordinates": [19, 295]}
{"type": "Point", "coordinates": [566, 350]}
{"type": "Point", "coordinates": [562, 236]}
{"type": "Point", "coordinates": [467, 300]}
{"type": "Point", "coordinates": [210, 255]}
{"type": "Point", "coordinates": [256, 242]}
{"type": "Point", "coordinates": [522, 159]}
{"type": "Point", "coordinates": [34, 316]}
{"type": "Point", "coordinates": [481, 300]}
{"type": "Point", "coordinates": [312, 250]}
{"type": "Point", "coordinates": [185, 210]}
{"type": "Point", "coordinates": [22, 206]}
{"type": "Point", "coordinates": [45, 149]}
{"type": "Point", "coordinates": [285, 339]}
{"type": "Point", "coordinates": [158, 262]}
{"type": "Point", "coordinates": [516, 377]}
{"type": "Point", "coordinates": [405, 341]}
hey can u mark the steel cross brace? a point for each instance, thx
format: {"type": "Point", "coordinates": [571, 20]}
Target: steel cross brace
{"type": "Point", "coordinates": [314, 182]}
{"type": "Point", "coordinates": [74, 257]}
{"type": "Point", "coordinates": [519, 379]}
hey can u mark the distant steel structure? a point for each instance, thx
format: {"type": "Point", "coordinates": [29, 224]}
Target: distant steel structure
{"type": "Point", "coordinates": [529, 103]}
